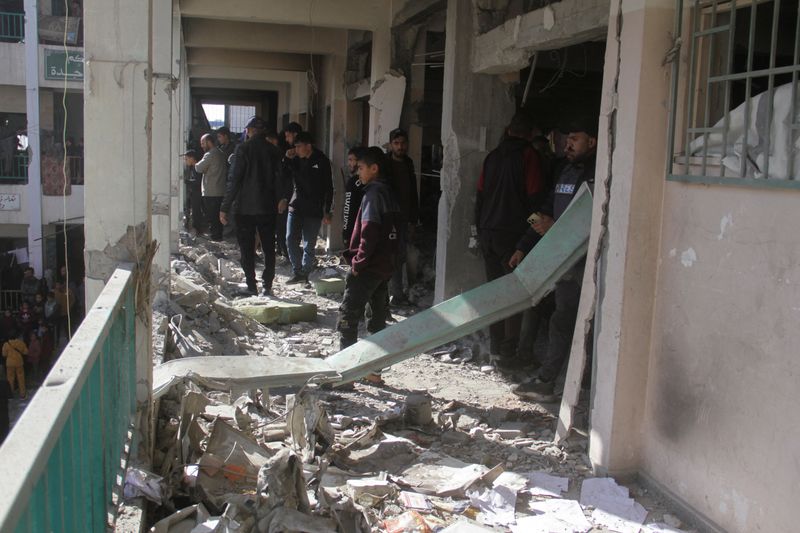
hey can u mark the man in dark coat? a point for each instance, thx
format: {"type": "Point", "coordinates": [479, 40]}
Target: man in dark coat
{"type": "Point", "coordinates": [259, 191]}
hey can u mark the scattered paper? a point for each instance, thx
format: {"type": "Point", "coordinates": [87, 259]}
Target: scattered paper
{"type": "Point", "coordinates": [544, 484]}
{"type": "Point", "coordinates": [465, 527]}
{"type": "Point", "coordinates": [140, 483]}
{"type": "Point", "coordinates": [412, 500]}
{"type": "Point", "coordinates": [556, 516]}
{"type": "Point", "coordinates": [613, 508]}
{"type": "Point", "coordinates": [511, 480]}
{"type": "Point", "coordinates": [445, 477]}
{"type": "Point", "coordinates": [497, 505]}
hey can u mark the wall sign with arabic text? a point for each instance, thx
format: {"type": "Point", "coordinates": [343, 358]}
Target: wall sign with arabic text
{"type": "Point", "coordinates": [59, 65]}
{"type": "Point", "coordinates": [9, 202]}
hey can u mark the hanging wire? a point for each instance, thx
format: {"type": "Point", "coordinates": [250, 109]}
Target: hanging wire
{"type": "Point", "coordinates": [64, 169]}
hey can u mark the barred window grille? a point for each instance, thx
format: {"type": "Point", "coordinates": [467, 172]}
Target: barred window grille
{"type": "Point", "coordinates": [735, 112]}
{"type": "Point", "coordinates": [240, 115]}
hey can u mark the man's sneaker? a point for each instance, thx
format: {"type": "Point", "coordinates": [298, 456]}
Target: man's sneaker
{"type": "Point", "coordinates": [266, 291]}
{"type": "Point", "coordinates": [536, 389]}
{"type": "Point", "coordinates": [298, 278]}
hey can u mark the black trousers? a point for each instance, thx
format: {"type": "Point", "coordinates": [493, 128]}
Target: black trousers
{"type": "Point", "coordinates": [360, 291]}
{"type": "Point", "coordinates": [497, 248]}
{"type": "Point", "coordinates": [246, 228]}
{"type": "Point", "coordinates": [211, 205]}
{"type": "Point", "coordinates": [280, 233]}
{"type": "Point", "coordinates": [562, 325]}
{"type": "Point", "coordinates": [532, 320]}
{"type": "Point", "coordinates": [195, 194]}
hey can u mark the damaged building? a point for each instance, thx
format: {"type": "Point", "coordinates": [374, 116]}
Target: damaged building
{"type": "Point", "coordinates": [179, 407]}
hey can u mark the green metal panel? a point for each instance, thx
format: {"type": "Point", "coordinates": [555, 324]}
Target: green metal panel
{"type": "Point", "coordinates": [54, 491]}
{"type": "Point", "coordinates": [82, 441]}
{"type": "Point", "coordinates": [95, 452]}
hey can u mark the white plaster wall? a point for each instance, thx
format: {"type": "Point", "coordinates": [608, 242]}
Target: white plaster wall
{"type": "Point", "coordinates": [53, 208]}
{"type": "Point", "coordinates": [12, 63]}
{"type": "Point", "coordinates": [12, 98]}
{"type": "Point", "coordinates": [15, 217]}
{"type": "Point", "coordinates": [722, 424]}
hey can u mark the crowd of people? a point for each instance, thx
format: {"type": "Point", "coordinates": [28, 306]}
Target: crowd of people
{"type": "Point", "coordinates": [276, 190]}
{"type": "Point", "coordinates": [522, 191]}
{"type": "Point", "coordinates": [31, 334]}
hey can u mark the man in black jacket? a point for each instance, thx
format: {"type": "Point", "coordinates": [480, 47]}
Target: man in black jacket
{"type": "Point", "coordinates": [510, 188]}
{"type": "Point", "coordinates": [257, 188]}
{"type": "Point", "coordinates": [581, 153]}
{"type": "Point", "coordinates": [404, 182]}
{"type": "Point", "coordinates": [309, 207]}
{"type": "Point", "coordinates": [353, 193]}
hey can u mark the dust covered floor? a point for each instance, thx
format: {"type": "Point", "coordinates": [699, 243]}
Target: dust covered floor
{"type": "Point", "coordinates": [441, 445]}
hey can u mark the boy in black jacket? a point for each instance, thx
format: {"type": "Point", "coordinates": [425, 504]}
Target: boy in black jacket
{"type": "Point", "coordinates": [353, 193]}
{"type": "Point", "coordinates": [371, 252]}
{"type": "Point", "coordinates": [309, 207]}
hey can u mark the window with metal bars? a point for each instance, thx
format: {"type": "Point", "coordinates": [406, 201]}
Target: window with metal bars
{"type": "Point", "coordinates": [735, 98]}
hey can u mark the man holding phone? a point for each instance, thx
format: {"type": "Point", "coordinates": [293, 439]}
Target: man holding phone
{"type": "Point", "coordinates": [510, 188]}
{"type": "Point", "coordinates": [580, 154]}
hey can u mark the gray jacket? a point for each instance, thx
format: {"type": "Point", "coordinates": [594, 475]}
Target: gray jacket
{"type": "Point", "coordinates": [214, 167]}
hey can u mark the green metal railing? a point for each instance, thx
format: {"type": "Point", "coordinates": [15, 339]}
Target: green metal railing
{"type": "Point", "coordinates": [14, 168]}
{"type": "Point", "coordinates": [733, 103]}
{"type": "Point", "coordinates": [12, 27]}
{"type": "Point", "coordinates": [63, 457]}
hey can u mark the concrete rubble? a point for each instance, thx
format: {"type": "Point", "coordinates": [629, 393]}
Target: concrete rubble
{"type": "Point", "coordinates": [442, 447]}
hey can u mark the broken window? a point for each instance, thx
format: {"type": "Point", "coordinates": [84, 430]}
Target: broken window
{"type": "Point", "coordinates": [735, 104]}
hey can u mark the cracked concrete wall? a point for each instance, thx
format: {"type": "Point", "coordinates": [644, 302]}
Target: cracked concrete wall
{"type": "Point", "coordinates": [721, 424]}
{"type": "Point", "coordinates": [118, 195]}
{"type": "Point", "coordinates": [509, 47]}
{"type": "Point", "coordinates": [476, 110]}
{"type": "Point", "coordinates": [117, 121]}
{"type": "Point", "coordinates": [630, 171]}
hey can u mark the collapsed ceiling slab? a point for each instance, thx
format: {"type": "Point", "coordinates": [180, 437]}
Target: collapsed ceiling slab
{"type": "Point", "coordinates": [509, 47]}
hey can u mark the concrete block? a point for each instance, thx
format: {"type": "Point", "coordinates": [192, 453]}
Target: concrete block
{"type": "Point", "coordinates": [329, 286]}
{"type": "Point", "coordinates": [279, 312]}
{"type": "Point", "coordinates": [187, 293]}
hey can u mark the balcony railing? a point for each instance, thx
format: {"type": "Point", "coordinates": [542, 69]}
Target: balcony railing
{"type": "Point", "coordinates": [75, 169]}
{"type": "Point", "coordinates": [10, 300]}
{"type": "Point", "coordinates": [12, 27]}
{"type": "Point", "coordinates": [60, 463]}
{"type": "Point", "coordinates": [14, 168]}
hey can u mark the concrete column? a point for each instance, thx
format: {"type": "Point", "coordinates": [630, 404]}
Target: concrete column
{"type": "Point", "coordinates": [381, 63]}
{"type": "Point", "coordinates": [33, 191]}
{"type": "Point", "coordinates": [415, 97]}
{"type": "Point", "coordinates": [476, 109]}
{"type": "Point", "coordinates": [338, 135]}
{"type": "Point", "coordinates": [178, 108]}
{"type": "Point", "coordinates": [163, 155]}
{"type": "Point", "coordinates": [117, 119]}
{"type": "Point", "coordinates": [630, 179]}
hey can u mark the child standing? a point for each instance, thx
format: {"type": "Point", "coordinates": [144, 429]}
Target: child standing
{"type": "Point", "coordinates": [14, 351]}
{"type": "Point", "coordinates": [371, 252]}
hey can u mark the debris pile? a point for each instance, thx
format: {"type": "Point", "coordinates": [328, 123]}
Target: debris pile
{"type": "Point", "coordinates": [362, 460]}
{"type": "Point", "coordinates": [234, 456]}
